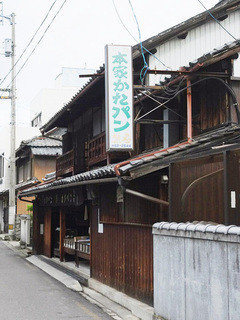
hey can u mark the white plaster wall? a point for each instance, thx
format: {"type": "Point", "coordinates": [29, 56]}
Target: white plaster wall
{"type": "Point", "coordinates": [50, 100]}
{"type": "Point", "coordinates": [176, 52]}
{"type": "Point", "coordinates": [196, 275]}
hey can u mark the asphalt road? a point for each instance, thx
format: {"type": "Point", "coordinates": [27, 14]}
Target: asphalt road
{"type": "Point", "coordinates": [27, 293]}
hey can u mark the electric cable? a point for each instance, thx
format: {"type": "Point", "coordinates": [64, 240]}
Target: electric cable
{"type": "Point", "coordinates": [38, 42]}
{"type": "Point", "coordinates": [29, 43]}
{"type": "Point", "coordinates": [159, 106]}
{"type": "Point", "coordinates": [145, 66]}
{"type": "Point", "coordinates": [153, 126]}
{"type": "Point", "coordinates": [209, 12]}
{"type": "Point", "coordinates": [153, 55]}
{"type": "Point", "coordinates": [229, 88]}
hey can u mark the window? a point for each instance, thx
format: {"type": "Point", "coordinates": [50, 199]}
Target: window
{"type": "Point", "coordinates": [37, 121]}
{"type": "Point", "coordinates": [98, 121]}
{"type": "Point", "coordinates": [24, 172]}
{"type": "Point", "coordinates": [20, 174]}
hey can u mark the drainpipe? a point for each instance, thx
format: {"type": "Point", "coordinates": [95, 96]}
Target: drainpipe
{"type": "Point", "coordinates": [189, 111]}
{"type": "Point", "coordinates": [146, 197]}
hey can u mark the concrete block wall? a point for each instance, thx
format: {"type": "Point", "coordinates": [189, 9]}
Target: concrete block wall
{"type": "Point", "coordinates": [196, 271]}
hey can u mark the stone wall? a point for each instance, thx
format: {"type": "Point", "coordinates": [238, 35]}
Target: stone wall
{"type": "Point", "coordinates": [17, 227]}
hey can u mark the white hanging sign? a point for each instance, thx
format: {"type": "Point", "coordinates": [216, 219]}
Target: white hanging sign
{"type": "Point", "coordinates": [119, 98]}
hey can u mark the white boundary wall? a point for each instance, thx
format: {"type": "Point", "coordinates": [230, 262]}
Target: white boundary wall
{"type": "Point", "coordinates": [196, 271]}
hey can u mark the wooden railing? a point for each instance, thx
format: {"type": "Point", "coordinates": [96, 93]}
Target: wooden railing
{"type": "Point", "coordinates": [78, 249]}
{"type": "Point", "coordinates": [97, 149]}
{"type": "Point", "coordinates": [65, 164]}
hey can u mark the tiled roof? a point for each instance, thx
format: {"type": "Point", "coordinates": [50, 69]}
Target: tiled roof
{"type": "Point", "coordinates": [42, 146]}
{"type": "Point", "coordinates": [43, 142]}
{"type": "Point", "coordinates": [103, 172]}
{"type": "Point", "coordinates": [27, 184]}
{"type": "Point", "coordinates": [219, 10]}
{"type": "Point", "coordinates": [50, 176]}
{"type": "Point", "coordinates": [214, 142]}
{"type": "Point", "coordinates": [46, 151]}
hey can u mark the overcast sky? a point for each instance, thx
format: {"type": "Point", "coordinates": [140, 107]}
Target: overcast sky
{"type": "Point", "coordinates": [77, 37]}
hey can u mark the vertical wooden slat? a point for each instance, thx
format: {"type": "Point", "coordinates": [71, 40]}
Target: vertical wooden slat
{"type": "Point", "coordinates": [122, 258]}
{"type": "Point", "coordinates": [47, 232]}
{"type": "Point", "coordinates": [62, 232]}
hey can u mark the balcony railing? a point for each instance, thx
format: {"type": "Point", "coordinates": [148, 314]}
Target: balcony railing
{"type": "Point", "coordinates": [65, 164]}
{"type": "Point", "coordinates": [97, 149]}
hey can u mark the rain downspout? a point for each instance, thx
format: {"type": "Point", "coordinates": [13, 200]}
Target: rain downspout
{"type": "Point", "coordinates": [189, 111]}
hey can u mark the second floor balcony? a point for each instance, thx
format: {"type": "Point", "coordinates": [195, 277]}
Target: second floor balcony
{"type": "Point", "coordinates": [97, 149]}
{"type": "Point", "coordinates": [65, 164]}
{"type": "Point", "coordinates": [91, 154]}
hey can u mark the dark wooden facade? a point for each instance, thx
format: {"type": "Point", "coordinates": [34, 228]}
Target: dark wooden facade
{"type": "Point", "coordinates": [122, 253]}
{"type": "Point", "coordinates": [198, 187]}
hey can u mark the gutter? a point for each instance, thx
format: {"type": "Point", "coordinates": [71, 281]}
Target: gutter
{"type": "Point", "coordinates": [69, 185]}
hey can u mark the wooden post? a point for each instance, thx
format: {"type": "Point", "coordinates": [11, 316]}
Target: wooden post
{"type": "Point", "coordinates": [62, 232]}
{"type": "Point", "coordinates": [48, 232]}
{"type": "Point", "coordinates": [36, 230]}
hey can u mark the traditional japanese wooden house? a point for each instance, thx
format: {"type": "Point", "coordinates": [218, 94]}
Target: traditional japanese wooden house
{"type": "Point", "coordinates": [35, 158]}
{"type": "Point", "coordinates": [185, 165]}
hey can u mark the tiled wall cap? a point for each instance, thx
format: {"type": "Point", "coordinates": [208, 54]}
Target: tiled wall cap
{"type": "Point", "coordinates": [172, 224]}
{"type": "Point", "coordinates": [228, 228]}
{"type": "Point", "coordinates": [161, 225]}
{"type": "Point", "coordinates": [179, 226]}
{"type": "Point", "coordinates": [209, 228]}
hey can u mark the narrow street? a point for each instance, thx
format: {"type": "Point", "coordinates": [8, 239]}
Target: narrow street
{"type": "Point", "coordinates": [27, 293]}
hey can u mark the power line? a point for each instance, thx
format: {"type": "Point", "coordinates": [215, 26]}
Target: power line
{"type": "Point", "coordinates": [217, 20]}
{"type": "Point", "coordinates": [33, 37]}
{"type": "Point", "coordinates": [140, 40]}
{"type": "Point", "coordinates": [153, 55]}
{"type": "Point", "coordinates": [229, 88]}
{"type": "Point", "coordinates": [38, 41]}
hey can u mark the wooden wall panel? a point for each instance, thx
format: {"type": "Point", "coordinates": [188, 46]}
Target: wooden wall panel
{"type": "Point", "coordinates": [38, 218]}
{"type": "Point", "coordinates": [47, 232]}
{"type": "Point", "coordinates": [232, 176]}
{"type": "Point", "coordinates": [205, 201]}
{"type": "Point", "coordinates": [122, 258]}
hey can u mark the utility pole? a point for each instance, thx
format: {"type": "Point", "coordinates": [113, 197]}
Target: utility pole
{"type": "Point", "coordinates": [12, 196]}
{"type": "Point", "coordinates": [12, 96]}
